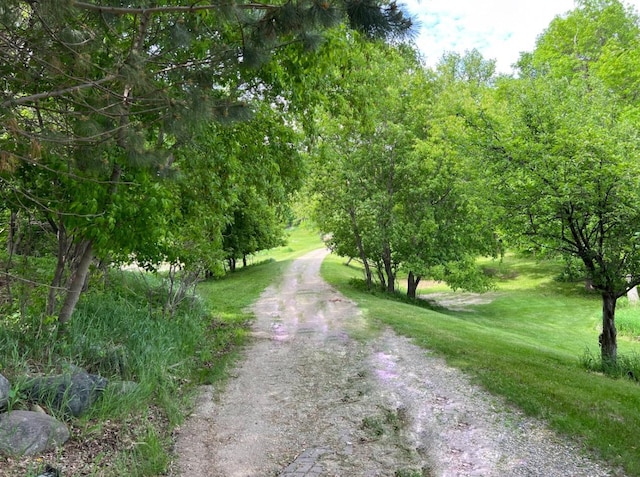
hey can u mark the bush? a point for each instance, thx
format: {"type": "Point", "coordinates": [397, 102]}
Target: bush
{"type": "Point", "coordinates": [118, 333]}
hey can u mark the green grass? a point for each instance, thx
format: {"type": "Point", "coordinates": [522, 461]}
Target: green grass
{"type": "Point", "coordinates": [119, 332]}
{"type": "Point", "coordinates": [628, 319]}
{"type": "Point", "coordinates": [526, 346]}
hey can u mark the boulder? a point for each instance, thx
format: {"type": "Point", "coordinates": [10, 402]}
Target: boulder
{"type": "Point", "coordinates": [5, 387]}
{"type": "Point", "coordinates": [70, 393]}
{"type": "Point", "coordinates": [30, 433]}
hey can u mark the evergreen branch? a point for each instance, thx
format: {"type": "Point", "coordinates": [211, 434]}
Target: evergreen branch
{"type": "Point", "coordinates": [53, 94]}
{"type": "Point", "coordinates": [169, 9]}
{"type": "Point", "coordinates": [70, 141]}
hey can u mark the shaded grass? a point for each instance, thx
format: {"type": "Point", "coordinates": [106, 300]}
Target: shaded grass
{"type": "Point", "coordinates": [526, 346]}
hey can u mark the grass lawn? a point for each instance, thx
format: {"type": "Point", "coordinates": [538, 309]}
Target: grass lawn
{"type": "Point", "coordinates": [526, 345]}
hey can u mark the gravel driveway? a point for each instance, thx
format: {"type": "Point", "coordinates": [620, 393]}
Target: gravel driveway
{"type": "Point", "coordinates": [311, 400]}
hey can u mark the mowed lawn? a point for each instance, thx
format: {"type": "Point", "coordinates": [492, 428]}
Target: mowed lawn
{"type": "Point", "coordinates": [526, 345]}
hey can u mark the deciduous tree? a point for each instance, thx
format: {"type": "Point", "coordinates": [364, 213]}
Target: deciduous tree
{"type": "Point", "coordinates": [565, 161]}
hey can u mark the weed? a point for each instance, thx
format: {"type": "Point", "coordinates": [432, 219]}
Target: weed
{"type": "Point", "coordinates": [389, 422]}
{"type": "Point", "coordinates": [626, 366]}
{"type": "Point", "coordinates": [374, 426]}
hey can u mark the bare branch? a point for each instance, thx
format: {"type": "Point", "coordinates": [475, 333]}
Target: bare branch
{"type": "Point", "coordinates": [21, 193]}
{"type": "Point", "coordinates": [38, 164]}
{"type": "Point", "coordinates": [31, 282]}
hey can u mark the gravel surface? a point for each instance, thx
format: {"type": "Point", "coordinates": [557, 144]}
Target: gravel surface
{"type": "Point", "coordinates": [309, 400]}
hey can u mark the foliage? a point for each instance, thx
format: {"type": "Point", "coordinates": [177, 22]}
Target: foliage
{"type": "Point", "coordinates": [599, 37]}
{"type": "Point", "coordinates": [390, 183]}
{"type": "Point", "coordinates": [565, 170]}
{"type": "Point", "coordinates": [101, 105]}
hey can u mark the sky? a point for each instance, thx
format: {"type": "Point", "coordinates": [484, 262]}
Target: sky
{"type": "Point", "coordinates": [499, 29]}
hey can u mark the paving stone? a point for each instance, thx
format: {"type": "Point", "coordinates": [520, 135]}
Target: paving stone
{"type": "Point", "coordinates": [306, 464]}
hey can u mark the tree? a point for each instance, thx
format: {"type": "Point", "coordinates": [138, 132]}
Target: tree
{"type": "Point", "coordinates": [98, 98]}
{"type": "Point", "coordinates": [392, 182]}
{"type": "Point", "coordinates": [358, 147]}
{"type": "Point", "coordinates": [569, 156]}
{"type": "Point", "coordinates": [565, 165]}
{"type": "Point", "coordinates": [584, 42]}
{"type": "Point", "coordinates": [446, 215]}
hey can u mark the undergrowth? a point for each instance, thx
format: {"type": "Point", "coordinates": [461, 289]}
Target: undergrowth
{"type": "Point", "coordinates": [153, 360]}
{"type": "Point", "coordinates": [626, 365]}
{"type": "Point", "coordinates": [152, 363]}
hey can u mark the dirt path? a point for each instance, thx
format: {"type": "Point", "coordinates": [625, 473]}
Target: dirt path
{"type": "Point", "coordinates": [309, 400]}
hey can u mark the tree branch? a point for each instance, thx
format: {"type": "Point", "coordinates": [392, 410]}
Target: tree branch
{"type": "Point", "coordinates": [169, 9]}
{"type": "Point", "coordinates": [54, 94]}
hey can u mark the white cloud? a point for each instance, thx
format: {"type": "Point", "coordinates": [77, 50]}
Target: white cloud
{"type": "Point", "coordinates": [499, 29]}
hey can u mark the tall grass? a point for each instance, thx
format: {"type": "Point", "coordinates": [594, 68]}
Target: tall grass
{"type": "Point", "coordinates": [120, 332]}
{"type": "Point", "coordinates": [526, 346]}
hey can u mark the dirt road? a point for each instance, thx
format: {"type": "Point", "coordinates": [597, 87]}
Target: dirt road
{"type": "Point", "coordinates": [311, 400]}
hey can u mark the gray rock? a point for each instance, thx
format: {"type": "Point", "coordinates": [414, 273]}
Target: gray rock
{"type": "Point", "coordinates": [30, 433]}
{"type": "Point", "coordinates": [5, 387]}
{"type": "Point", "coordinates": [70, 393]}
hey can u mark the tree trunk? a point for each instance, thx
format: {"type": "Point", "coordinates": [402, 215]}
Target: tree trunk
{"type": "Point", "coordinates": [12, 245]}
{"type": "Point", "coordinates": [244, 261]}
{"type": "Point", "coordinates": [59, 271]}
{"type": "Point", "coordinates": [232, 264]}
{"type": "Point", "coordinates": [77, 283]}
{"type": "Point", "coordinates": [363, 257]}
{"type": "Point", "coordinates": [388, 268]}
{"type": "Point", "coordinates": [381, 276]}
{"type": "Point", "coordinates": [412, 284]}
{"type": "Point", "coordinates": [608, 341]}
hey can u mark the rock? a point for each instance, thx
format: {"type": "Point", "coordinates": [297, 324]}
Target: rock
{"type": "Point", "coordinates": [70, 393]}
{"type": "Point", "coordinates": [5, 387]}
{"type": "Point", "coordinates": [30, 433]}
